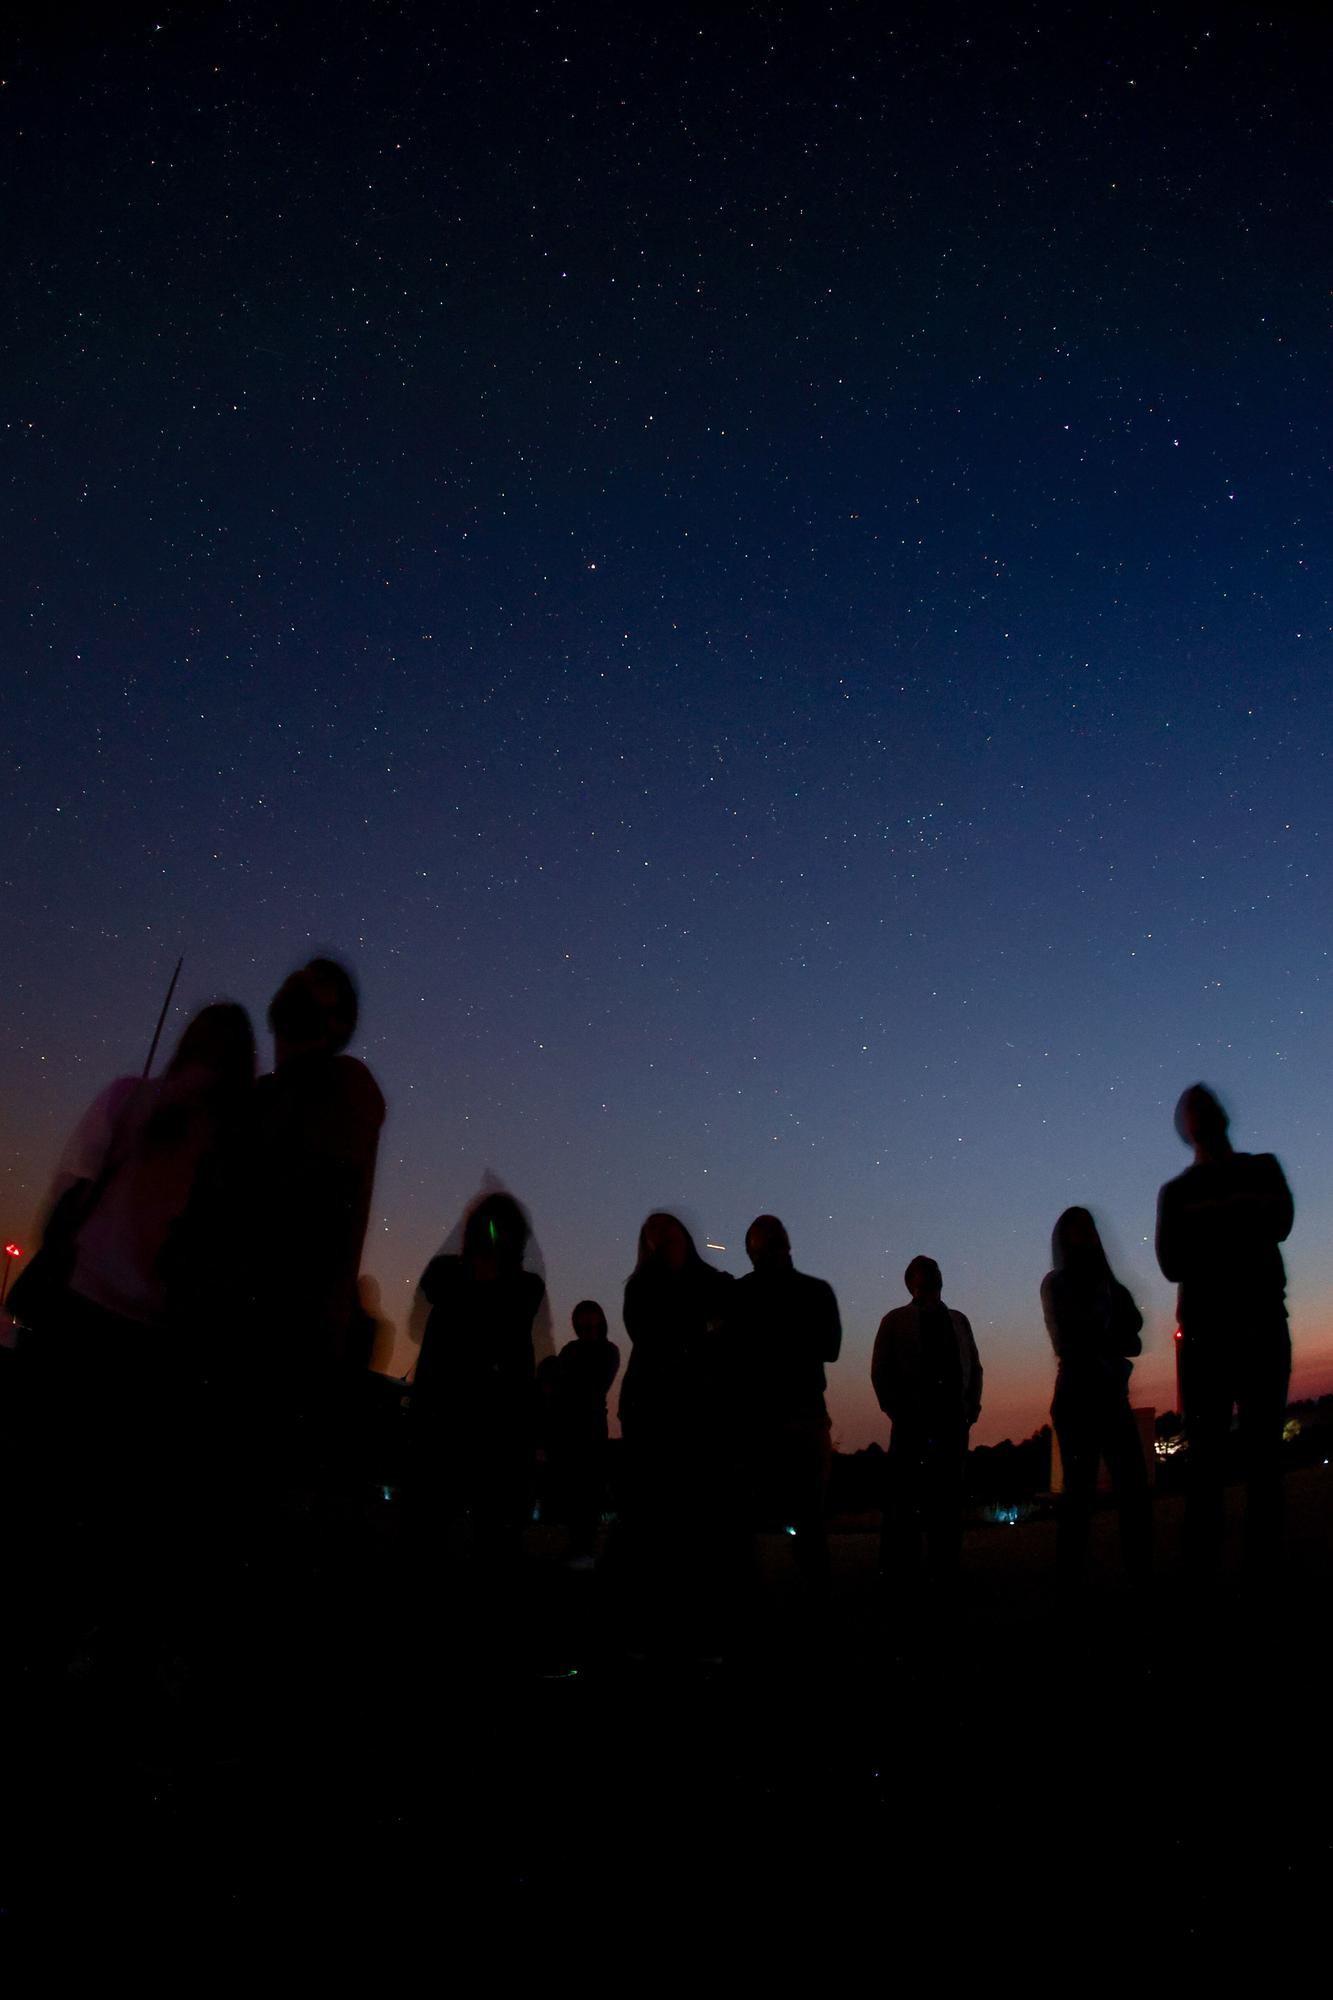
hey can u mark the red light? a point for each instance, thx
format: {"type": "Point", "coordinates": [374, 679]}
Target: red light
{"type": "Point", "coordinates": [1179, 1334]}
{"type": "Point", "coordinates": [12, 1250]}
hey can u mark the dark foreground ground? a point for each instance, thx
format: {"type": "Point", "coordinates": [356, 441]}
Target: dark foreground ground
{"type": "Point", "coordinates": [1003, 1789]}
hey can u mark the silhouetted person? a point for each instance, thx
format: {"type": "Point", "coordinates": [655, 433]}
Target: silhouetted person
{"type": "Point", "coordinates": [139, 1148]}
{"type": "Point", "coordinates": [677, 1414]}
{"type": "Point", "coordinates": [584, 1371]}
{"type": "Point", "coordinates": [114, 1376]}
{"type": "Point", "coordinates": [1219, 1225]}
{"type": "Point", "coordinates": [787, 1330]}
{"type": "Point", "coordinates": [472, 1411]}
{"type": "Point", "coordinates": [321, 1112]}
{"type": "Point", "coordinates": [1094, 1327]}
{"type": "Point", "coordinates": [267, 1273]}
{"type": "Point", "coordinates": [927, 1379]}
{"type": "Point", "coordinates": [299, 1203]}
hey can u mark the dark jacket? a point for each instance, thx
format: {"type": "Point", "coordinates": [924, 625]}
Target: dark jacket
{"type": "Point", "coordinates": [1218, 1227]}
{"type": "Point", "coordinates": [476, 1366]}
{"type": "Point", "coordinates": [581, 1381]}
{"type": "Point", "coordinates": [679, 1380]}
{"type": "Point", "coordinates": [1094, 1327]}
{"type": "Point", "coordinates": [286, 1215]}
{"type": "Point", "coordinates": [786, 1327]}
{"type": "Point", "coordinates": [897, 1372]}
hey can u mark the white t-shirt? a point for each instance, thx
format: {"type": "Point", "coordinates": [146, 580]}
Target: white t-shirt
{"type": "Point", "coordinates": [118, 1255]}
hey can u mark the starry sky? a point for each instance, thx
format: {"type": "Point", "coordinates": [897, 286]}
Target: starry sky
{"type": "Point", "coordinates": [762, 574]}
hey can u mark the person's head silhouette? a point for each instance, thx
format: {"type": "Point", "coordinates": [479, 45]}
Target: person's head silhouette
{"type": "Point", "coordinates": [1076, 1243]}
{"type": "Point", "coordinates": [767, 1244]}
{"type": "Point", "coordinates": [1202, 1122]}
{"type": "Point", "coordinates": [665, 1244]}
{"type": "Point", "coordinates": [588, 1321]}
{"type": "Point", "coordinates": [314, 1011]}
{"type": "Point", "coordinates": [496, 1234]}
{"type": "Point", "coordinates": [922, 1279]}
{"type": "Point", "coordinates": [218, 1043]}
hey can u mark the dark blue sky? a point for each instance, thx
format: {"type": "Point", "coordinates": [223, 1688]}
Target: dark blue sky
{"type": "Point", "coordinates": [765, 581]}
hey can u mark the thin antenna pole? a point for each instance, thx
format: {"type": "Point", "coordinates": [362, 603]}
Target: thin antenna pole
{"type": "Point", "coordinates": [162, 1017]}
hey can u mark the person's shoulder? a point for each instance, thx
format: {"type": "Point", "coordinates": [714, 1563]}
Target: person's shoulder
{"type": "Point", "coordinates": [98, 1124]}
{"type": "Point", "coordinates": [898, 1319]}
{"type": "Point", "coordinates": [1180, 1184]}
{"type": "Point", "coordinates": [817, 1287]}
{"type": "Point", "coordinates": [356, 1088]}
{"type": "Point", "coordinates": [533, 1284]}
{"type": "Point", "coordinates": [116, 1098]}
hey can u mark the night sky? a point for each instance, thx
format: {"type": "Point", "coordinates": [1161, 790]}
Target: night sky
{"type": "Point", "coordinates": [763, 575]}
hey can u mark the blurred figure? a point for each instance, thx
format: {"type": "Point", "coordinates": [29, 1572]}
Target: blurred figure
{"type": "Point", "coordinates": [112, 1375]}
{"type": "Point", "coordinates": [291, 1224]}
{"type": "Point", "coordinates": [472, 1411]}
{"type": "Point", "coordinates": [1219, 1225]}
{"type": "Point", "coordinates": [1094, 1326]}
{"type": "Point", "coordinates": [927, 1379]}
{"type": "Point", "coordinates": [584, 1371]}
{"type": "Point", "coordinates": [320, 1114]}
{"type": "Point", "coordinates": [677, 1411]}
{"type": "Point", "coordinates": [543, 1335]}
{"type": "Point", "coordinates": [787, 1330]}
{"type": "Point", "coordinates": [266, 1276]}
{"type": "Point", "coordinates": [134, 1158]}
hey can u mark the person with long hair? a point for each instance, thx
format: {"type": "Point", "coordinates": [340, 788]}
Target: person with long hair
{"type": "Point", "coordinates": [677, 1412]}
{"type": "Point", "coordinates": [787, 1332]}
{"type": "Point", "coordinates": [1094, 1327]}
{"type": "Point", "coordinates": [112, 1368]}
{"type": "Point", "coordinates": [132, 1162]}
{"type": "Point", "coordinates": [274, 1256]}
{"type": "Point", "coordinates": [472, 1409]}
{"type": "Point", "coordinates": [271, 1276]}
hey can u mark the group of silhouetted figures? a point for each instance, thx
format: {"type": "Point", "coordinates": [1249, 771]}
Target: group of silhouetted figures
{"type": "Point", "coordinates": [194, 1352]}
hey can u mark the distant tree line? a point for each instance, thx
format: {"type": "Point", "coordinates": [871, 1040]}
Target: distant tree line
{"type": "Point", "coordinates": [1010, 1473]}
